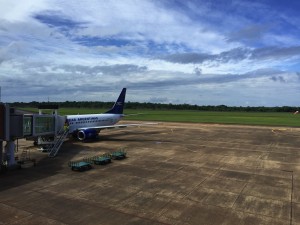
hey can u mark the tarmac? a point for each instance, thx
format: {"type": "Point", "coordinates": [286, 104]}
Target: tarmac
{"type": "Point", "coordinates": [175, 173]}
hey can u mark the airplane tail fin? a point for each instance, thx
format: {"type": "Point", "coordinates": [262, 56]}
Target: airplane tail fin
{"type": "Point", "coordinates": [119, 104]}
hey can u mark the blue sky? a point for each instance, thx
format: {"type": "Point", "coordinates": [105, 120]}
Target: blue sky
{"type": "Point", "coordinates": [236, 53]}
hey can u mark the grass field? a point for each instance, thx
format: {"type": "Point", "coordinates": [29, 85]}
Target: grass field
{"type": "Point", "coordinates": [247, 118]}
{"type": "Point", "coordinates": [278, 119]}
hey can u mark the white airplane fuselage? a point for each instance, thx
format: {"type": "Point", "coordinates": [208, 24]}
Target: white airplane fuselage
{"type": "Point", "coordinates": [78, 122]}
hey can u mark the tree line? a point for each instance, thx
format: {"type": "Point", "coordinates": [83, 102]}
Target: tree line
{"type": "Point", "coordinates": [157, 106]}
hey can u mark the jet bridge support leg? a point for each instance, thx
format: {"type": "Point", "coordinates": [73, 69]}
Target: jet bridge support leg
{"type": "Point", "coordinates": [10, 153]}
{"type": "Point", "coordinates": [1, 156]}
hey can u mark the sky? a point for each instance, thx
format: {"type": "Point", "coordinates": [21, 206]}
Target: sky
{"type": "Point", "coordinates": [203, 52]}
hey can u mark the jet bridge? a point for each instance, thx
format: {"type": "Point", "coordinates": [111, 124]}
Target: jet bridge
{"type": "Point", "coordinates": [36, 125]}
{"type": "Point", "coordinates": [16, 125]}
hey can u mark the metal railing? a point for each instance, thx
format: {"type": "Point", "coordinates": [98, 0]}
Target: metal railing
{"type": "Point", "coordinates": [59, 140]}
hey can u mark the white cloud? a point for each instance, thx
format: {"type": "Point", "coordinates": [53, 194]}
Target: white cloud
{"type": "Point", "coordinates": [84, 49]}
{"type": "Point", "coordinates": [19, 11]}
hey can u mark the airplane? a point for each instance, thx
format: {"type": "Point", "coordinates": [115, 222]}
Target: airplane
{"type": "Point", "coordinates": [88, 126]}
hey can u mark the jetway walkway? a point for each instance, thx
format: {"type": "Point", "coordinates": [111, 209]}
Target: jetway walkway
{"type": "Point", "coordinates": [16, 125]}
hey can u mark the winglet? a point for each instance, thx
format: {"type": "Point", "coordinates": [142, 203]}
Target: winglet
{"type": "Point", "coordinates": [119, 104]}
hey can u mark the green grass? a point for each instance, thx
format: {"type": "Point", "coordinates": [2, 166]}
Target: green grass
{"type": "Point", "coordinates": [247, 118]}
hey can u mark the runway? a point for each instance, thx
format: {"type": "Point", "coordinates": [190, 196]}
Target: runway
{"type": "Point", "coordinates": [175, 173]}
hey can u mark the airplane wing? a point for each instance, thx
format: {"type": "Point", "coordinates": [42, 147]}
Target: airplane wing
{"type": "Point", "coordinates": [135, 114]}
{"type": "Point", "coordinates": [117, 126]}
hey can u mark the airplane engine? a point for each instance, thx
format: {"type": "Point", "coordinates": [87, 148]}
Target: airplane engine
{"type": "Point", "coordinates": [87, 134]}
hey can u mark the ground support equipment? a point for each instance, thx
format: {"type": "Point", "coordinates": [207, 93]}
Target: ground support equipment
{"type": "Point", "coordinates": [102, 160]}
{"type": "Point", "coordinates": [118, 155]}
{"type": "Point", "coordinates": [80, 166]}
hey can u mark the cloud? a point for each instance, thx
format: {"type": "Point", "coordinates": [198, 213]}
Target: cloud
{"type": "Point", "coordinates": [235, 55]}
{"type": "Point", "coordinates": [149, 46]}
{"type": "Point", "coordinates": [112, 70]}
{"type": "Point", "coordinates": [298, 75]}
{"type": "Point", "coordinates": [184, 58]}
{"type": "Point", "coordinates": [278, 78]}
{"type": "Point", "coordinates": [251, 33]}
{"type": "Point", "coordinates": [8, 52]}
{"type": "Point", "coordinates": [198, 71]}
{"type": "Point", "coordinates": [56, 19]}
{"type": "Point", "coordinates": [15, 11]}
{"type": "Point", "coordinates": [276, 52]}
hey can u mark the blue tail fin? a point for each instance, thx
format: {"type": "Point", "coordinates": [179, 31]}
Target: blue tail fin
{"type": "Point", "coordinates": [119, 104]}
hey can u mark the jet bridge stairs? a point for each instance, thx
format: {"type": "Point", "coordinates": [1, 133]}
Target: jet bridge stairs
{"type": "Point", "coordinates": [53, 145]}
{"type": "Point", "coordinates": [59, 140]}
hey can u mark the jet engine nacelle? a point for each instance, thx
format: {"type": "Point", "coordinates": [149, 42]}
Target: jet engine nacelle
{"type": "Point", "coordinates": [87, 134]}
